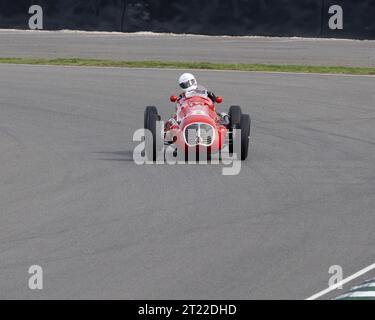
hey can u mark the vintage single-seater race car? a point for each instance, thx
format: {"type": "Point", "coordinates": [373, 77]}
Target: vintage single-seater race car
{"type": "Point", "coordinates": [197, 128]}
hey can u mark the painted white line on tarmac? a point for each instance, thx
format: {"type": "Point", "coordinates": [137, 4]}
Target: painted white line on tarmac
{"type": "Point", "coordinates": [343, 282]}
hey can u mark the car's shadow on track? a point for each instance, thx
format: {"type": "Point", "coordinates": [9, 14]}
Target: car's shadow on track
{"type": "Point", "coordinates": [122, 156]}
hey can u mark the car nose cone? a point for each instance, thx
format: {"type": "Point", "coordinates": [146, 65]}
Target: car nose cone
{"type": "Point", "coordinates": [199, 134]}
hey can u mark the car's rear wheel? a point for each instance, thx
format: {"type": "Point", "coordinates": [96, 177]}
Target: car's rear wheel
{"type": "Point", "coordinates": [154, 141]}
{"type": "Point", "coordinates": [245, 135]}
{"type": "Point", "coordinates": [235, 114]}
{"type": "Point", "coordinates": [240, 121]}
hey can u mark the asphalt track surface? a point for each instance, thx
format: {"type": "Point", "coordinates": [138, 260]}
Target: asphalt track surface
{"type": "Point", "coordinates": [73, 201]}
{"type": "Point", "coordinates": [187, 48]}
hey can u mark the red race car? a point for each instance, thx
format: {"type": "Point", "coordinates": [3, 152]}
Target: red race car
{"type": "Point", "coordinates": [196, 128]}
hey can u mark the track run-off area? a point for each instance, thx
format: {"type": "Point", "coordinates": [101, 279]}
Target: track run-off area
{"type": "Point", "coordinates": [186, 48]}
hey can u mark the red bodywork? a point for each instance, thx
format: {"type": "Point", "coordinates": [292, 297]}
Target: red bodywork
{"type": "Point", "coordinates": [193, 110]}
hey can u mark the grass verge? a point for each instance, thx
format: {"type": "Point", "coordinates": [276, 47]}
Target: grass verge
{"type": "Point", "coordinates": [192, 65]}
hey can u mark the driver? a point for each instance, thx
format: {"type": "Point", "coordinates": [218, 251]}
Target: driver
{"type": "Point", "coordinates": [190, 87]}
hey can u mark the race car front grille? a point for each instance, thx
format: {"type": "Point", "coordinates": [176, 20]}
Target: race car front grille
{"type": "Point", "coordinates": [199, 134]}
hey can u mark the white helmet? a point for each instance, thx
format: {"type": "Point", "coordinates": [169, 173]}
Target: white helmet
{"type": "Point", "coordinates": [187, 82]}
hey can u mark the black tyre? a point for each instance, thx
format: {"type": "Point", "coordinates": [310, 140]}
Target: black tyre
{"type": "Point", "coordinates": [155, 141]}
{"type": "Point", "coordinates": [245, 135]}
{"type": "Point", "coordinates": [149, 110]}
{"type": "Point", "coordinates": [235, 115]}
{"type": "Point", "coordinates": [241, 138]}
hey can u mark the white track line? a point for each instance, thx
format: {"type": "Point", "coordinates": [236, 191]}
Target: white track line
{"type": "Point", "coordinates": [341, 283]}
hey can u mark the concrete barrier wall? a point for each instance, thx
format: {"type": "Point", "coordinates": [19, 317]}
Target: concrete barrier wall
{"type": "Point", "coordinates": [308, 18]}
